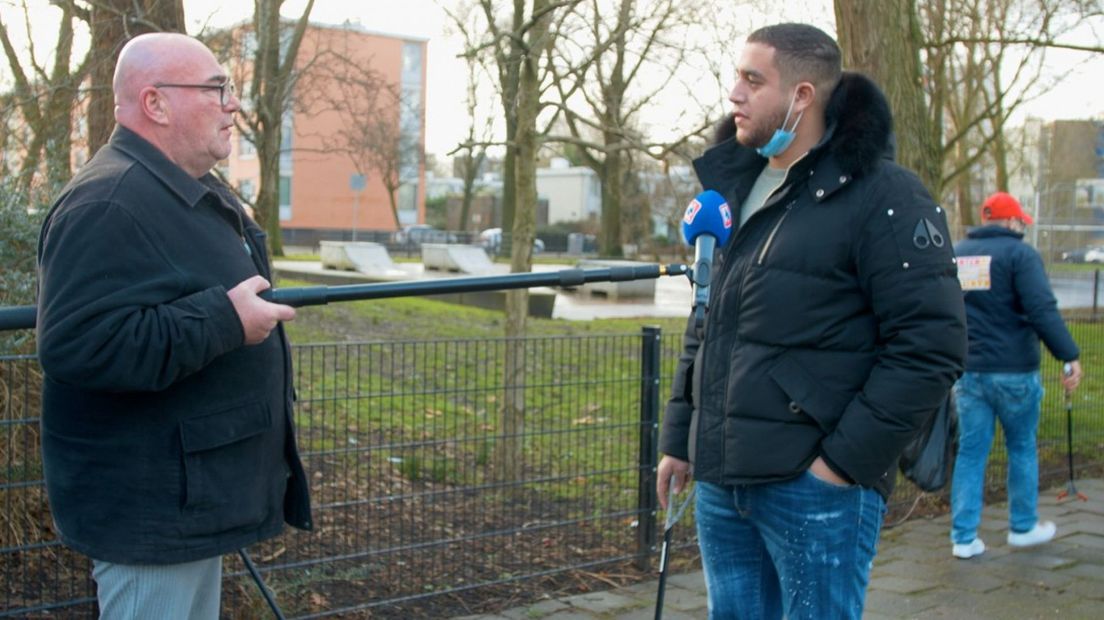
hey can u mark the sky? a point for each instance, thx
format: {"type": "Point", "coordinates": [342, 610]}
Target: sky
{"type": "Point", "coordinates": [1080, 96]}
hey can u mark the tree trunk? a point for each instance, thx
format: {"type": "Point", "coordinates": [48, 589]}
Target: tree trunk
{"type": "Point", "coordinates": [509, 451]}
{"type": "Point", "coordinates": [864, 27]}
{"type": "Point", "coordinates": [270, 110]}
{"type": "Point", "coordinates": [59, 112]}
{"type": "Point", "coordinates": [114, 22]}
{"type": "Point", "coordinates": [611, 205]}
{"type": "Point", "coordinates": [44, 105]}
{"type": "Point", "coordinates": [509, 182]}
{"type": "Point", "coordinates": [394, 206]}
{"type": "Point", "coordinates": [466, 202]}
{"type": "Point", "coordinates": [272, 86]}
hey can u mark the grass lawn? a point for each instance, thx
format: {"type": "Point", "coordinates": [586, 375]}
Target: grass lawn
{"type": "Point", "coordinates": [418, 386]}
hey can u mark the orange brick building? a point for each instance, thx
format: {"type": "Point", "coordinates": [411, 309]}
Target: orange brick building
{"type": "Point", "coordinates": [317, 168]}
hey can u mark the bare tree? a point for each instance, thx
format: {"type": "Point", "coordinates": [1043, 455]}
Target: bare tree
{"type": "Point", "coordinates": [518, 36]}
{"type": "Point", "coordinates": [864, 27]}
{"type": "Point", "coordinates": [607, 71]}
{"type": "Point", "coordinates": [45, 97]}
{"type": "Point", "coordinates": [990, 61]}
{"type": "Point", "coordinates": [950, 111]}
{"type": "Point", "coordinates": [473, 152]}
{"type": "Point", "coordinates": [507, 49]}
{"type": "Point", "coordinates": [113, 23]}
{"type": "Point", "coordinates": [273, 44]}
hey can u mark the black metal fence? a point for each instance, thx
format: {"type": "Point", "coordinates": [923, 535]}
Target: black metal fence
{"type": "Point", "coordinates": [426, 505]}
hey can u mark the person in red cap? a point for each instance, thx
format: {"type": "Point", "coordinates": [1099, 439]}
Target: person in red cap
{"type": "Point", "coordinates": [1009, 308]}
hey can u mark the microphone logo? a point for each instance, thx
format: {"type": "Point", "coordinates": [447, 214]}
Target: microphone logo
{"type": "Point", "coordinates": [726, 215]}
{"type": "Point", "coordinates": [692, 212]}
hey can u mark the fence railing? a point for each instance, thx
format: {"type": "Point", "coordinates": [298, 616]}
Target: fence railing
{"type": "Point", "coordinates": [423, 506]}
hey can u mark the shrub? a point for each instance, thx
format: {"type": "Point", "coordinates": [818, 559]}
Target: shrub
{"type": "Point", "coordinates": [19, 225]}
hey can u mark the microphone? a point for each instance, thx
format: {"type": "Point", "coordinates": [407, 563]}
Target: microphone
{"type": "Point", "coordinates": [706, 225]}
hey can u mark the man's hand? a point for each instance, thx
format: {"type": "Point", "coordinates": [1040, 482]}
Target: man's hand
{"type": "Point", "coordinates": [821, 470]}
{"type": "Point", "coordinates": [670, 466]}
{"type": "Point", "coordinates": [1071, 375]}
{"type": "Point", "coordinates": [258, 317]}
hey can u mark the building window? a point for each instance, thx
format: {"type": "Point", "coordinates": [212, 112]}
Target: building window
{"type": "Point", "coordinates": [412, 63]}
{"type": "Point", "coordinates": [248, 45]}
{"type": "Point", "coordinates": [408, 203]}
{"type": "Point", "coordinates": [246, 149]}
{"type": "Point", "coordinates": [247, 190]}
{"type": "Point", "coordinates": [285, 197]}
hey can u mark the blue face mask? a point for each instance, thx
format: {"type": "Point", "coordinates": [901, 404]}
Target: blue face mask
{"type": "Point", "coordinates": [782, 137]}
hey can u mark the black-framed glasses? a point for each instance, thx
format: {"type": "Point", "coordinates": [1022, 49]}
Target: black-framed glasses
{"type": "Point", "coordinates": [226, 89]}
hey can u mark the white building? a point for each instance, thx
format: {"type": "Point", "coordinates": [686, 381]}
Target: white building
{"type": "Point", "coordinates": [573, 193]}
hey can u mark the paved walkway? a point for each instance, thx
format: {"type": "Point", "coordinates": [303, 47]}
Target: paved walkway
{"type": "Point", "coordinates": [915, 575]}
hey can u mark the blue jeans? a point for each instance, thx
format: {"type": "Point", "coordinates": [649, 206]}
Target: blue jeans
{"type": "Point", "coordinates": [983, 398]}
{"type": "Point", "coordinates": [803, 548]}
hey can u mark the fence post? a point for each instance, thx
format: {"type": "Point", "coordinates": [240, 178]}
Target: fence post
{"type": "Point", "coordinates": [1096, 290]}
{"type": "Point", "coordinates": [646, 503]}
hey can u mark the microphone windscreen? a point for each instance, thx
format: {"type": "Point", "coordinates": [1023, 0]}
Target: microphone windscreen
{"type": "Point", "coordinates": [707, 213]}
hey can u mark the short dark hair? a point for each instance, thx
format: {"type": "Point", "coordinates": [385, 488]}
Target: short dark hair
{"type": "Point", "coordinates": [803, 53]}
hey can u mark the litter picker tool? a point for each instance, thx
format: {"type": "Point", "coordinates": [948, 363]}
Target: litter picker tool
{"type": "Point", "coordinates": [1071, 488]}
{"type": "Point", "coordinates": [673, 516]}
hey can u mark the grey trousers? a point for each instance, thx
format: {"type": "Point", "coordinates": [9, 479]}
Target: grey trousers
{"type": "Point", "coordinates": [188, 591]}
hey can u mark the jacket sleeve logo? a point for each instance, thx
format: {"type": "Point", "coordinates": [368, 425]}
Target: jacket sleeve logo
{"type": "Point", "coordinates": [926, 234]}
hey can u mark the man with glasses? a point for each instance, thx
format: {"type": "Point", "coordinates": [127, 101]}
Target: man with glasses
{"type": "Point", "coordinates": [225, 88]}
{"type": "Point", "coordinates": [166, 428]}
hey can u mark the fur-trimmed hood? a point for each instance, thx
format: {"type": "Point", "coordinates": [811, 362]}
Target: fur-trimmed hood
{"type": "Point", "coordinates": [859, 133]}
{"type": "Point", "coordinates": [862, 123]}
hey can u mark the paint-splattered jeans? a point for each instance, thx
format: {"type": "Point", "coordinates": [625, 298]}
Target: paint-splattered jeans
{"type": "Point", "coordinates": [982, 399]}
{"type": "Point", "coordinates": [803, 548]}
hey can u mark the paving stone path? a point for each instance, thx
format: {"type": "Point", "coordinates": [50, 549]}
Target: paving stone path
{"type": "Point", "coordinates": [915, 575]}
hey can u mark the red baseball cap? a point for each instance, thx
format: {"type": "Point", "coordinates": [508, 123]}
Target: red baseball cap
{"type": "Point", "coordinates": [1002, 206]}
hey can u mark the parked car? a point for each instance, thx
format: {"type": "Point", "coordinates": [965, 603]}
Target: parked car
{"type": "Point", "coordinates": [1094, 255]}
{"type": "Point", "coordinates": [1074, 256]}
{"type": "Point", "coordinates": [1086, 254]}
{"type": "Point", "coordinates": [491, 240]}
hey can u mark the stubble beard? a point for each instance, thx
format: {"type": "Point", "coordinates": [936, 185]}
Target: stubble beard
{"type": "Point", "coordinates": [762, 132]}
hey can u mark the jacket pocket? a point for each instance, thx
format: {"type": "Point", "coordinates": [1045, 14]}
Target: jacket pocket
{"type": "Point", "coordinates": [808, 395]}
{"type": "Point", "coordinates": [224, 468]}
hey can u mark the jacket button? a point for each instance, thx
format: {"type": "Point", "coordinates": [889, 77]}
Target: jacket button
{"type": "Point", "coordinates": [820, 193]}
{"type": "Point", "coordinates": [843, 179]}
{"type": "Point", "coordinates": [794, 407]}
{"type": "Point", "coordinates": [890, 213]}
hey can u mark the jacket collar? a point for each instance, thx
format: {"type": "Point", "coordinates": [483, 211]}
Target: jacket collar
{"type": "Point", "coordinates": [992, 230]}
{"type": "Point", "coordinates": [190, 189]}
{"type": "Point", "coordinates": [857, 138]}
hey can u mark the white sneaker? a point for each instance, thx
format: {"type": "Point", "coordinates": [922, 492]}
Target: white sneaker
{"type": "Point", "coordinates": [1042, 532]}
{"type": "Point", "coordinates": [968, 550]}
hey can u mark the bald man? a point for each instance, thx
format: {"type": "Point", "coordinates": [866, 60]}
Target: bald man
{"type": "Point", "coordinates": [167, 401]}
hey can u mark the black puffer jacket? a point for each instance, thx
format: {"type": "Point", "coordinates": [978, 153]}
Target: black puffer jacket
{"type": "Point", "coordinates": [836, 323]}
